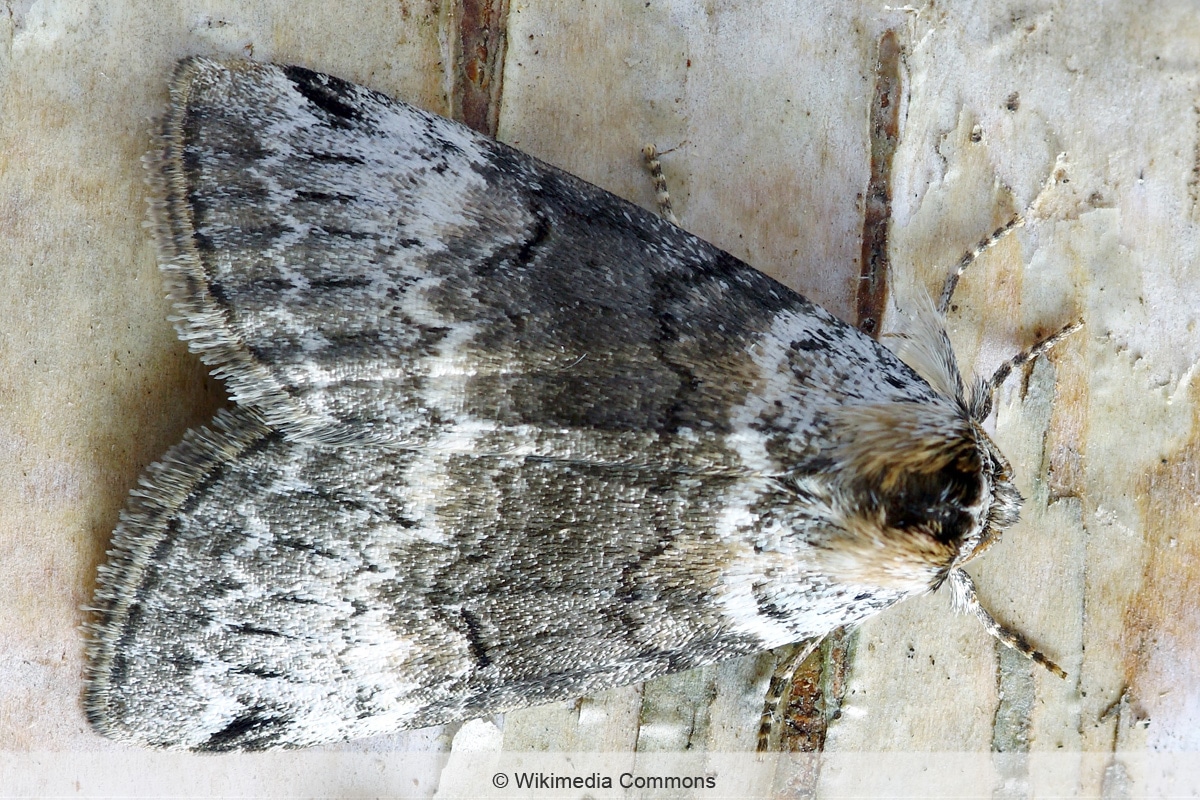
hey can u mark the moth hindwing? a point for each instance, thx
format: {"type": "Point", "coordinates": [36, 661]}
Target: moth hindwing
{"type": "Point", "coordinates": [501, 438]}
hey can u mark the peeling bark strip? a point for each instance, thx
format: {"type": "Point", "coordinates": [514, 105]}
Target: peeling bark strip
{"type": "Point", "coordinates": [816, 696]}
{"type": "Point", "coordinates": [885, 133]}
{"type": "Point", "coordinates": [482, 39]}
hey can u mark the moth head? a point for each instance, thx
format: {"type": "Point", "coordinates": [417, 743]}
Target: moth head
{"type": "Point", "coordinates": [926, 348]}
{"type": "Point", "coordinates": [925, 488]}
{"type": "Point", "coordinates": [922, 490]}
{"type": "Point", "coordinates": [1004, 508]}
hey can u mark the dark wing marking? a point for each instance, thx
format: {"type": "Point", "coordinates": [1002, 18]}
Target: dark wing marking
{"type": "Point", "coordinates": [361, 270]}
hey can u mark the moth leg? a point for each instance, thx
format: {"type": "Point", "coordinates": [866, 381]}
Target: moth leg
{"type": "Point", "coordinates": [661, 195]}
{"type": "Point", "coordinates": [781, 681]}
{"type": "Point", "coordinates": [966, 599]}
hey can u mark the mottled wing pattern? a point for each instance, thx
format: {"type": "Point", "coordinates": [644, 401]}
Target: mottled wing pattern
{"type": "Point", "coordinates": [504, 438]}
{"type": "Point", "coordinates": [360, 270]}
{"type": "Point", "coordinates": [267, 592]}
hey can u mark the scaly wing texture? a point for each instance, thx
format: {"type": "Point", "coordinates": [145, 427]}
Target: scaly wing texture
{"type": "Point", "coordinates": [504, 438]}
{"type": "Point", "coordinates": [361, 270]}
{"type": "Point", "coordinates": [265, 592]}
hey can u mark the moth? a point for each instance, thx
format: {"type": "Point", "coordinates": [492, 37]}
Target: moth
{"type": "Point", "coordinates": [500, 438]}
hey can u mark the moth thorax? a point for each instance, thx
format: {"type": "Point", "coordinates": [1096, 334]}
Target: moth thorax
{"type": "Point", "coordinates": [919, 487]}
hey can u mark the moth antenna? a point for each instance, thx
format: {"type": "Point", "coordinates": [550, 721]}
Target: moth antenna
{"type": "Point", "coordinates": [781, 682]}
{"type": "Point", "coordinates": [661, 195]}
{"type": "Point", "coordinates": [985, 391]}
{"type": "Point", "coordinates": [988, 242]}
{"type": "Point", "coordinates": [966, 599]}
{"type": "Point", "coordinates": [969, 257]}
{"type": "Point", "coordinates": [1021, 359]}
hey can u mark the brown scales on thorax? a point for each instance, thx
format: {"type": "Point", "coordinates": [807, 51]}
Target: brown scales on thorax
{"type": "Point", "coordinates": [915, 494]}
